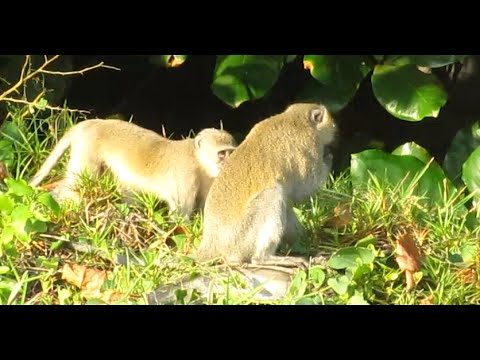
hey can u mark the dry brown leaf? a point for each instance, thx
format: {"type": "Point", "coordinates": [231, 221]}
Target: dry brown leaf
{"type": "Point", "coordinates": [174, 61]}
{"type": "Point", "coordinates": [424, 69]}
{"type": "Point", "coordinates": [427, 301]}
{"type": "Point", "coordinates": [342, 216]}
{"type": "Point", "coordinates": [177, 230]}
{"type": "Point", "coordinates": [50, 186]}
{"type": "Point", "coordinates": [3, 171]}
{"type": "Point", "coordinates": [408, 256]}
{"type": "Point", "coordinates": [89, 280]}
{"type": "Point", "coordinates": [410, 280]}
{"type": "Point", "coordinates": [308, 65]}
{"type": "Point", "coordinates": [111, 296]}
{"type": "Point", "coordinates": [468, 275]}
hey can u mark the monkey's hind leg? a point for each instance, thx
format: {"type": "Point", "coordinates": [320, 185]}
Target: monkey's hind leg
{"type": "Point", "coordinates": [270, 221]}
{"type": "Point", "coordinates": [80, 160]}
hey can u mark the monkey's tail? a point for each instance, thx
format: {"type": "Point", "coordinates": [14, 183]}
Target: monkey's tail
{"type": "Point", "coordinates": [52, 159]}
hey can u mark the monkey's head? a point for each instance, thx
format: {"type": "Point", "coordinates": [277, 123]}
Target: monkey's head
{"type": "Point", "coordinates": [213, 147]}
{"type": "Point", "coordinates": [317, 117]}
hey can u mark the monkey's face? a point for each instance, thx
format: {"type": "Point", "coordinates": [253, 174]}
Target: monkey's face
{"type": "Point", "coordinates": [214, 148]}
{"type": "Point", "coordinates": [216, 156]}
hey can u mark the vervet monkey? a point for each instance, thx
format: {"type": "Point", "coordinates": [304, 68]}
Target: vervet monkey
{"type": "Point", "coordinates": [249, 207]}
{"type": "Point", "coordinates": [179, 172]}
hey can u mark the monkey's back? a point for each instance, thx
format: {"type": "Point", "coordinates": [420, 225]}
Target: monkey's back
{"type": "Point", "coordinates": [138, 156]}
{"type": "Point", "coordinates": [263, 159]}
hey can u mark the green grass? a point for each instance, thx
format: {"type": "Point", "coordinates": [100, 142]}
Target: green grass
{"type": "Point", "coordinates": [139, 247]}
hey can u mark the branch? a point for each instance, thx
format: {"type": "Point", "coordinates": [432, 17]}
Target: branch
{"type": "Point", "coordinates": [41, 70]}
{"type": "Point", "coordinates": [25, 102]}
{"type": "Point", "coordinates": [64, 73]}
{"type": "Point", "coordinates": [23, 79]}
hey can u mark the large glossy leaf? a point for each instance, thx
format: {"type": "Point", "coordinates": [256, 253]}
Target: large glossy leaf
{"type": "Point", "coordinates": [334, 99]}
{"type": "Point", "coordinates": [239, 78]}
{"type": "Point", "coordinates": [432, 61]}
{"type": "Point", "coordinates": [407, 93]}
{"type": "Point", "coordinates": [463, 144]}
{"type": "Point", "coordinates": [394, 169]}
{"type": "Point", "coordinates": [412, 148]}
{"type": "Point", "coordinates": [344, 72]}
{"type": "Point", "coordinates": [471, 172]}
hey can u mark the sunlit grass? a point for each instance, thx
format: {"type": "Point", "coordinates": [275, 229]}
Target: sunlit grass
{"type": "Point", "coordinates": [141, 247]}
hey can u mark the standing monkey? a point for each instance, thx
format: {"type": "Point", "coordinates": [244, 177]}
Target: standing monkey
{"type": "Point", "coordinates": [249, 207]}
{"type": "Point", "coordinates": [179, 172]}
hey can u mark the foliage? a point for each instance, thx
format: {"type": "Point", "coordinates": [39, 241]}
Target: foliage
{"type": "Point", "coordinates": [404, 85]}
{"type": "Point", "coordinates": [396, 228]}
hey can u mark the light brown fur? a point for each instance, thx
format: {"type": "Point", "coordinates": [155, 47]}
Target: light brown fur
{"type": "Point", "coordinates": [179, 172]}
{"type": "Point", "coordinates": [249, 207]}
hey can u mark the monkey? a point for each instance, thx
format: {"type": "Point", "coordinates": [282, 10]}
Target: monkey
{"type": "Point", "coordinates": [179, 172]}
{"type": "Point", "coordinates": [248, 211]}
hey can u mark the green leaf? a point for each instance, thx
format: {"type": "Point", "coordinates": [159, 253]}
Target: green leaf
{"type": "Point", "coordinates": [339, 284]}
{"type": "Point", "coordinates": [316, 276]}
{"type": "Point", "coordinates": [471, 173]}
{"type": "Point", "coordinates": [364, 242]}
{"type": "Point", "coordinates": [56, 245]}
{"type": "Point", "coordinates": [95, 301]}
{"type": "Point", "coordinates": [19, 216]}
{"type": "Point", "coordinates": [7, 234]}
{"type": "Point", "coordinates": [332, 98]}
{"type": "Point", "coordinates": [407, 93]}
{"type": "Point", "coordinates": [360, 271]}
{"type": "Point", "coordinates": [6, 204]}
{"type": "Point", "coordinates": [413, 149]}
{"type": "Point", "coordinates": [35, 226]}
{"type": "Point", "coordinates": [48, 200]}
{"type": "Point", "coordinates": [18, 187]}
{"type": "Point", "coordinates": [49, 263]}
{"type": "Point", "coordinates": [4, 270]}
{"type": "Point", "coordinates": [239, 78]}
{"type": "Point", "coordinates": [432, 61]}
{"type": "Point", "coordinates": [299, 284]}
{"type": "Point", "coordinates": [41, 104]}
{"type": "Point", "coordinates": [168, 60]}
{"type": "Point", "coordinates": [11, 132]}
{"type": "Point", "coordinates": [344, 72]}
{"type": "Point", "coordinates": [7, 154]}
{"type": "Point", "coordinates": [393, 170]}
{"type": "Point", "coordinates": [306, 301]}
{"type": "Point", "coordinates": [463, 144]}
{"type": "Point", "coordinates": [469, 253]}
{"type": "Point", "coordinates": [351, 257]}
{"type": "Point", "coordinates": [357, 299]}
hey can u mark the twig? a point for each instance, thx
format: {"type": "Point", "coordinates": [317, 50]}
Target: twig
{"type": "Point", "coordinates": [24, 78]}
{"type": "Point", "coordinates": [46, 106]}
{"type": "Point", "coordinates": [64, 73]}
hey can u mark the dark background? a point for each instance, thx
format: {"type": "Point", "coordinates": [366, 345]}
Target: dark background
{"type": "Point", "coordinates": [180, 99]}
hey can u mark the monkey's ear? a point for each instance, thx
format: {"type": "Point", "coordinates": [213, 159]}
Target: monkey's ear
{"type": "Point", "coordinates": [316, 115]}
{"type": "Point", "coordinates": [198, 141]}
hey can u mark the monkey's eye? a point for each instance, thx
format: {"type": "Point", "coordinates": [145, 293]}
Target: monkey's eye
{"type": "Point", "coordinates": [222, 154]}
